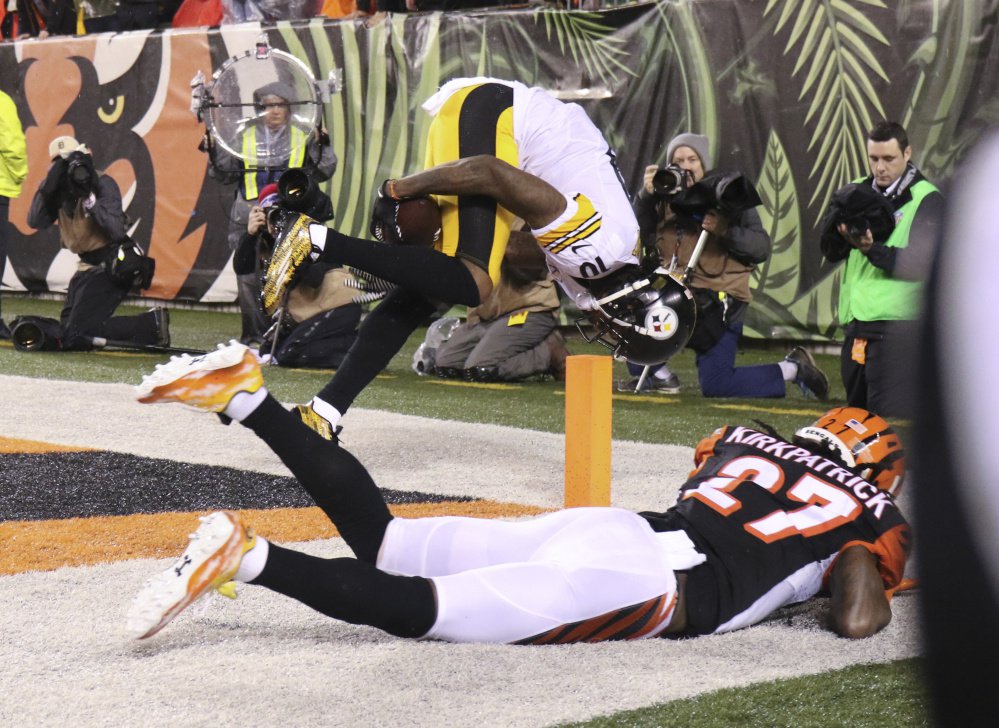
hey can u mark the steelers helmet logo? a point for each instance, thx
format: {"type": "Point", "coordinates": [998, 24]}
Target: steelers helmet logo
{"type": "Point", "coordinates": [661, 322]}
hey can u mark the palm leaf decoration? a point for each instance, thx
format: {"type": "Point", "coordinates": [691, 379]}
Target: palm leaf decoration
{"type": "Point", "coordinates": [941, 115]}
{"type": "Point", "coordinates": [839, 71]}
{"type": "Point", "coordinates": [781, 218]}
{"type": "Point", "coordinates": [780, 307]}
{"type": "Point", "coordinates": [486, 45]}
{"type": "Point", "coordinates": [588, 42]}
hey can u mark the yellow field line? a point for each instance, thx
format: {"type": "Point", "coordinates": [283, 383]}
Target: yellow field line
{"type": "Point", "coordinates": [474, 385]}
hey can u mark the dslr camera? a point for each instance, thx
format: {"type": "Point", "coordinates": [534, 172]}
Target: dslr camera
{"type": "Point", "coordinates": [669, 181]}
{"type": "Point", "coordinates": [299, 192]}
{"type": "Point", "coordinates": [81, 177]}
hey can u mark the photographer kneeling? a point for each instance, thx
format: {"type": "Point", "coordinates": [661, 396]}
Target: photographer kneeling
{"type": "Point", "coordinates": [720, 282]}
{"type": "Point", "coordinates": [322, 311]}
{"type": "Point", "coordinates": [87, 207]}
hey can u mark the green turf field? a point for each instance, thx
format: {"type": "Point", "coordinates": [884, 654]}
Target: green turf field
{"type": "Point", "coordinates": [676, 419]}
{"type": "Point", "coordinates": [874, 695]}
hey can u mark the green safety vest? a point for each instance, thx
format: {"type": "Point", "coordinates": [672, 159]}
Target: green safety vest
{"type": "Point", "coordinates": [867, 293]}
{"type": "Point", "coordinates": [298, 138]}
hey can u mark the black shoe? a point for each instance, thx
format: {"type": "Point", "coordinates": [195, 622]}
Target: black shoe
{"type": "Point", "coordinates": [482, 374]}
{"type": "Point", "coordinates": [559, 353]}
{"type": "Point", "coordinates": [812, 381]}
{"type": "Point", "coordinates": [652, 383]}
{"type": "Point", "coordinates": [5, 330]}
{"type": "Point", "coordinates": [162, 318]}
{"type": "Point", "coordinates": [448, 372]}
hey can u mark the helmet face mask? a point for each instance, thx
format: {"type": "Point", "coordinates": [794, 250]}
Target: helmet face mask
{"type": "Point", "coordinates": [864, 442]}
{"type": "Point", "coordinates": [645, 319]}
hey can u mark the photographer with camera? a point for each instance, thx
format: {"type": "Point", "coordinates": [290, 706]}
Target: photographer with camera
{"type": "Point", "coordinates": [323, 309]}
{"type": "Point", "coordinates": [885, 227]}
{"type": "Point", "coordinates": [271, 142]}
{"type": "Point", "coordinates": [720, 282]}
{"type": "Point", "coordinates": [92, 223]}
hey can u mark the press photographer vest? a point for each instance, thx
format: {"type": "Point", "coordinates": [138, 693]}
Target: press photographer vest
{"type": "Point", "coordinates": [304, 302]}
{"type": "Point", "coordinates": [868, 293]}
{"type": "Point", "coordinates": [295, 159]}
{"type": "Point", "coordinates": [80, 233]}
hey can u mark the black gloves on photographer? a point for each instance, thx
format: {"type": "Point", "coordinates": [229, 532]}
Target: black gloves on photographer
{"type": "Point", "coordinates": [81, 177]}
{"type": "Point", "coordinates": [52, 186]}
{"type": "Point", "coordinates": [69, 179]}
{"type": "Point", "coordinates": [54, 178]}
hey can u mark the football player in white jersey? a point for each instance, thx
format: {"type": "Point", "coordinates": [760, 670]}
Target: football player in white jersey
{"type": "Point", "coordinates": [496, 151]}
{"type": "Point", "coordinates": [760, 523]}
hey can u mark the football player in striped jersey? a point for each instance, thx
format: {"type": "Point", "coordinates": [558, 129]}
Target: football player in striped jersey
{"type": "Point", "coordinates": [762, 522]}
{"type": "Point", "coordinates": [497, 151]}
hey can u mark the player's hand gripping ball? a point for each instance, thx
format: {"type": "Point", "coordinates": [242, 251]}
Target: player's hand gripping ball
{"type": "Point", "coordinates": [405, 221]}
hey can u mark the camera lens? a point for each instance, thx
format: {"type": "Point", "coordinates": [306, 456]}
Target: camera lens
{"type": "Point", "coordinates": [28, 336]}
{"type": "Point", "coordinates": [668, 181]}
{"type": "Point", "coordinates": [79, 174]}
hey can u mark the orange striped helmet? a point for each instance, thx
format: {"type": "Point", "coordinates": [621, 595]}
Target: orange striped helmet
{"type": "Point", "coordinates": [864, 442]}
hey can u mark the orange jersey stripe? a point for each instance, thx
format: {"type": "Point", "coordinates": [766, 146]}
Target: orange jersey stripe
{"type": "Point", "coordinates": [638, 620]}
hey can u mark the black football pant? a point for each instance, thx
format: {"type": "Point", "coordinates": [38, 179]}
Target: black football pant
{"type": "Point", "coordinates": [91, 300]}
{"type": "Point", "coordinates": [379, 338]}
{"type": "Point", "coordinates": [351, 590]}
{"type": "Point", "coordinates": [423, 274]}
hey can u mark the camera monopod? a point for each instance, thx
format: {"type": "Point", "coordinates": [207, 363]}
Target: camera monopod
{"type": "Point", "coordinates": [99, 342]}
{"type": "Point", "coordinates": [728, 192]}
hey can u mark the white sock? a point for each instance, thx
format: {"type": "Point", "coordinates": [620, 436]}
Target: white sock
{"type": "Point", "coordinates": [662, 373]}
{"type": "Point", "coordinates": [789, 369]}
{"type": "Point", "coordinates": [253, 561]}
{"type": "Point", "coordinates": [317, 234]}
{"type": "Point", "coordinates": [327, 411]}
{"type": "Point", "coordinates": [242, 404]}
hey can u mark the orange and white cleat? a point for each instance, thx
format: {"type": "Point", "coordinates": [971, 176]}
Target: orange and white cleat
{"type": "Point", "coordinates": [206, 383]}
{"type": "Point", "coordinates": [210, 561]}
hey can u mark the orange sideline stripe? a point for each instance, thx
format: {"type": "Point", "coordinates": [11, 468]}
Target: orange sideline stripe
{"type": "Point", "coordinates": [51, 544]}
{"type": "Point", "coordinates": [13, 445]}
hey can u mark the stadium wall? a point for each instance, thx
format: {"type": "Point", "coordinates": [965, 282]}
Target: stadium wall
{"type": "Point", "coordinates": [784, 90]}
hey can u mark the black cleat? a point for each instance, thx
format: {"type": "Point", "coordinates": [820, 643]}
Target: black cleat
{"type": "Point", "coordinates": [316, 422]}
{"type": "Point", "coordinates": [812, 381]}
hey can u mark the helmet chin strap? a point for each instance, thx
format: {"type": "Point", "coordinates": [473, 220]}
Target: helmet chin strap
{"type": "Point", "coordinates": [636, 286]}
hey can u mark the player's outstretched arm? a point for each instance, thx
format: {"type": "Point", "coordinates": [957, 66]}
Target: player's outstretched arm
{"type": "Point", "coordinates": [859, 605]}
{"type": "Point", "coordinates": [523, 194]}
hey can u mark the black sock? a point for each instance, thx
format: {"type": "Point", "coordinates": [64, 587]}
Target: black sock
{"type": "Point", "coordinates": [334, 478]}
{"type": "Point", "coordinates": [352, 591]}
{"type": "Point", "coordinates": [382, 334]}
{"type": "Point", "coordinates": [424, 270]}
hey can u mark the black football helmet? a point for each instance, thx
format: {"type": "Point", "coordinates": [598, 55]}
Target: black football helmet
{"type": "Point", "coordinates": [643, 317]}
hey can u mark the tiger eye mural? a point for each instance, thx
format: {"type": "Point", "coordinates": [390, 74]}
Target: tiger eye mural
{"type": "Point", "coordinates": [125, 97]}
{"type": "Point", "coordinates": [784, 91]}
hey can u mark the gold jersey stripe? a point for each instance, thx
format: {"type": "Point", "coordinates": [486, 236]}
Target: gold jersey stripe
{"type": "Point", "coordinates": [584, 223]}
{"type": "Point", "coordinates": [584, 231]}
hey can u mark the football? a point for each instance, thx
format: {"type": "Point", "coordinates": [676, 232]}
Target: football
{"type": "Point", "coordinates": [419, 222]}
